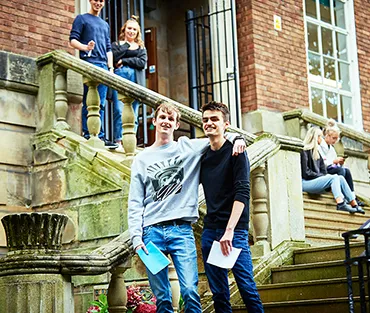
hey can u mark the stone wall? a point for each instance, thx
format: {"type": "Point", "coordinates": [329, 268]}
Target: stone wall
{"type": "Point", "coordinates": [18, 88]}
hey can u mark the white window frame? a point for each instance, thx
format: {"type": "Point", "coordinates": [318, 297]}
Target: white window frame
{"type": "Point", "coordinates": [352, 59]}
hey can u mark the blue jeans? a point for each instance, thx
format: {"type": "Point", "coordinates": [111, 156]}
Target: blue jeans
{"type": "Point", "coordinates": [177, 241]}
{"type": "Point", "coordinates": [128, 73]}
{"type": "Point", "coordinates": [343, 171]}
{"type": "Point", "coordinates": [102, 90]}
{"type": "Point", "coordinates": [338, 185]}
{"type": "Point", "coordinates": [242, 270]}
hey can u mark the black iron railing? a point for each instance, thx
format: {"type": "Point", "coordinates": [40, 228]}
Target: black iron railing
{"type": "Point", "coordinates": [362, 264]}
{"type": "Point", "coordinates": [213, 57]}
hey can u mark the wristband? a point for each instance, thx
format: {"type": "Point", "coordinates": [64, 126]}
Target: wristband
{"type": "Point", "coordinates": [237, 138]}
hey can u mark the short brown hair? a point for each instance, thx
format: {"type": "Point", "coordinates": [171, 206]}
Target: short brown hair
{"type": "Point", "coordinates": [168, 108]}
{"type": "Point", "coordinates": [217, 106]}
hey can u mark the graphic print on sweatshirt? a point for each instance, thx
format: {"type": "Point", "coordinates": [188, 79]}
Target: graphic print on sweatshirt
{"type": "Point", "coordinates": [166, 178]}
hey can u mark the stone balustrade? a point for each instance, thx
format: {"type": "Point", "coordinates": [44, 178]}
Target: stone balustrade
{"type": "Point", "coordinates": [34, 267]}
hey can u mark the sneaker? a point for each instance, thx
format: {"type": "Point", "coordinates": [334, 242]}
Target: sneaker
{"type": "Point", "coordinates": [109, 144]}
{"type": "Point", "coordinates": [359, 209]}
{"type": "Point", "coordinates": [345, 207]}
{"type": "Point", "coordinates": [359, 202]}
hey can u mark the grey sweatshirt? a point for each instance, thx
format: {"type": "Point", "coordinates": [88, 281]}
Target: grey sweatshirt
{"type": "Point", "coordinates": [164, 185]}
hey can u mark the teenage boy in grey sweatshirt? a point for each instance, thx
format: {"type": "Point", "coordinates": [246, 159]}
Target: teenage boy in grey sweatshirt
{"type": "Point", "coordinates": [163, 202]}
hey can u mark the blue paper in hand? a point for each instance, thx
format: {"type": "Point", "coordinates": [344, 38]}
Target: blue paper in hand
{"type": "Point", "coordinates": [155, 261]}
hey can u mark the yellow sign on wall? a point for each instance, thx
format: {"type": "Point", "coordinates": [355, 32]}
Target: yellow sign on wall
{"type": "Point", "coordinates": [277, 22]}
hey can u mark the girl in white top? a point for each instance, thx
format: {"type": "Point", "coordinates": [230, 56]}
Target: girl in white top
{"type": "Point", "coordinates": [335, 164]}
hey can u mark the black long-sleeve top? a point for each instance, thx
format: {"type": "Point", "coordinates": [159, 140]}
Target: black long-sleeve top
{"type": "Point", "coordinates": [311, 168]}
{"type": "Point", "coordinates": [225, 178]}
{"type": "Point", "coordinates": [121, 52]}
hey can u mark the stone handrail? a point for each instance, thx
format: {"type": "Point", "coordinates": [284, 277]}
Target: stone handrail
{"type": "Point", "coordinates": [124, 86]}
{"type": "Point", "coordinates": [319, 120]}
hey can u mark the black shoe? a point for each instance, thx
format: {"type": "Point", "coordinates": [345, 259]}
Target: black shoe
{"type": "Point", "coordinates": [358, 209]}
{"type": "Point", "coordinates": [359, 202]}
{"type": "Point", "coordinates": [109, 144]}
{"type": "Point", "coordinates": [345, 207]}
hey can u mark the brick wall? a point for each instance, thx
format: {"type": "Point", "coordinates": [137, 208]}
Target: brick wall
{"type": "Point", "coordinates": [273, 71]}
{"type": "Point", "coordinates": [35, 27]}
{"type": "Point", "coordinates": [362, 9]}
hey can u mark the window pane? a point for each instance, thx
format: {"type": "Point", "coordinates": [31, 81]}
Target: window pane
{"type": "Point", "coordinates": [327, 42]}
{"type": "Point", "coordinates": [342, 46]}
{"type": "Point", "coordinates": [325, 11]}
{"type": "Point", "coordinates": [346, 106]}
{"type": "Point", "coordinates": [331, 99]}
{"type": "Point", "coordinates": [316, 97]}
{"type": "Point", "coordinates": [313, 43]}
{"type": "Point", "coordinates": [314, 64]}
{"type": "Point", "coordinates": [311, 8]}
{"type": "Point", "coordinates": [329, 69]}
{"type": "Point", "coordinates": [344, 80]}
{"type": "Point", "coordinates": [339, 14]}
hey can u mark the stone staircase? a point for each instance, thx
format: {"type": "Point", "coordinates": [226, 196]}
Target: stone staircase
{"type": "Point", "coordinates": [324, 224]}
{"type": "Point", "coordinates": [316, 282]}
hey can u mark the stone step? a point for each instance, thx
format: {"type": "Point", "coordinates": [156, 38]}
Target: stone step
{"type": "Point", "coordinates": [336, 216]}
{"type": "Point", "coordinates": [309, 272]}
{"type": "Point", "coordinates": [307, 290]}
{"type": "Point", "coordinates": [322, 240]}
{"type": "Point", "coordinates": [333, 305]}
{"type": "Point", "coordinates": [327, 229]}
{"type": "Point", "coordinates": [325, 225]}
{"type": "Point", "coordinates": [325, 253]}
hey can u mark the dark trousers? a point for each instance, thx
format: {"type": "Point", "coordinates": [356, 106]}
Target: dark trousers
{"type": "Point", "coordinates": [242, 270]}
{"type": "Point", "coordinates": [345, 172]}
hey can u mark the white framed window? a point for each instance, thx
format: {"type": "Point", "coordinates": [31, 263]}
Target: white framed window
{"type": "Point", "coordinates": [333, 76]}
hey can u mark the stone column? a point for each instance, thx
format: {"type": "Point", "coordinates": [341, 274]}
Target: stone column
{"type": "Point", "coordinates": [175, 287]}
{"type": "Point", "coordinates": [30, 279]}
{"type": "Point", "coordinates": [260, 212]}
{"type": "Point", "coordinates": [93, 115]}
{"type": "Point", "coordinates": [128, 124]}
{"type": "Point", "coordinates": [61, 101]}
{"type": "Point", "coordinates": [117, 294]}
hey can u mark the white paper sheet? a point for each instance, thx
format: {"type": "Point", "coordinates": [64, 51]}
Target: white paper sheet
{"type": "Point", "coordinates": [216, 257]}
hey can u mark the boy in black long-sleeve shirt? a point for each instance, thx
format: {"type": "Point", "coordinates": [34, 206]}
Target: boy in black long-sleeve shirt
{"type": "Point", "coordinates": [225, 179]}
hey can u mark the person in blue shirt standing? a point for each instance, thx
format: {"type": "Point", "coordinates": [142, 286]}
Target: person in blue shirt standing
{"type": "Point", "coordinates": [91, 36]}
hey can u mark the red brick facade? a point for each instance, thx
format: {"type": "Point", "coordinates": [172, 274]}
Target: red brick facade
{"type": "Point", "coordinates": [362, 9]}
{"type": "Point", "coordinates": [273, 71]}
{"type": "Point", "coordinates": [32, 28]}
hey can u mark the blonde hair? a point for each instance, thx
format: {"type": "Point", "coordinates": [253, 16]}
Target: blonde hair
{"type": "Point", "coordinates": [331, 127]}
{"type": "Point", "coordinates": [311, 141]}
{"type": "Point", "coordinates": [138, 38]}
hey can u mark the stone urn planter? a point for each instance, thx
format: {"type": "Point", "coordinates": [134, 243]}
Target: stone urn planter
{"type": "Point", "coordinates": [34, 231]}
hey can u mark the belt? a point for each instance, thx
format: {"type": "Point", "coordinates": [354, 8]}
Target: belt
{"type": "Point", "coordinates": [174, 222]}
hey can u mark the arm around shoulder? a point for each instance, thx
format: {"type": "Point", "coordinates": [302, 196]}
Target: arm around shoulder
{"type": "Point", "coordinates": [136, 204]}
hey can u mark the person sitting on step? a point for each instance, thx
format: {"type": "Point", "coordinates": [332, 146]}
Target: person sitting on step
{"type": "Point", "coordinates": [315, 178]}
{"type": "Point", "coordinates": [334, 164]}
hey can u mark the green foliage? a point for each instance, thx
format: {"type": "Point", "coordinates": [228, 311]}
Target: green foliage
{"type": "Point", "coordinates": [102, 303]}
{"type": "Point", "coordinates": [181, 304]}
